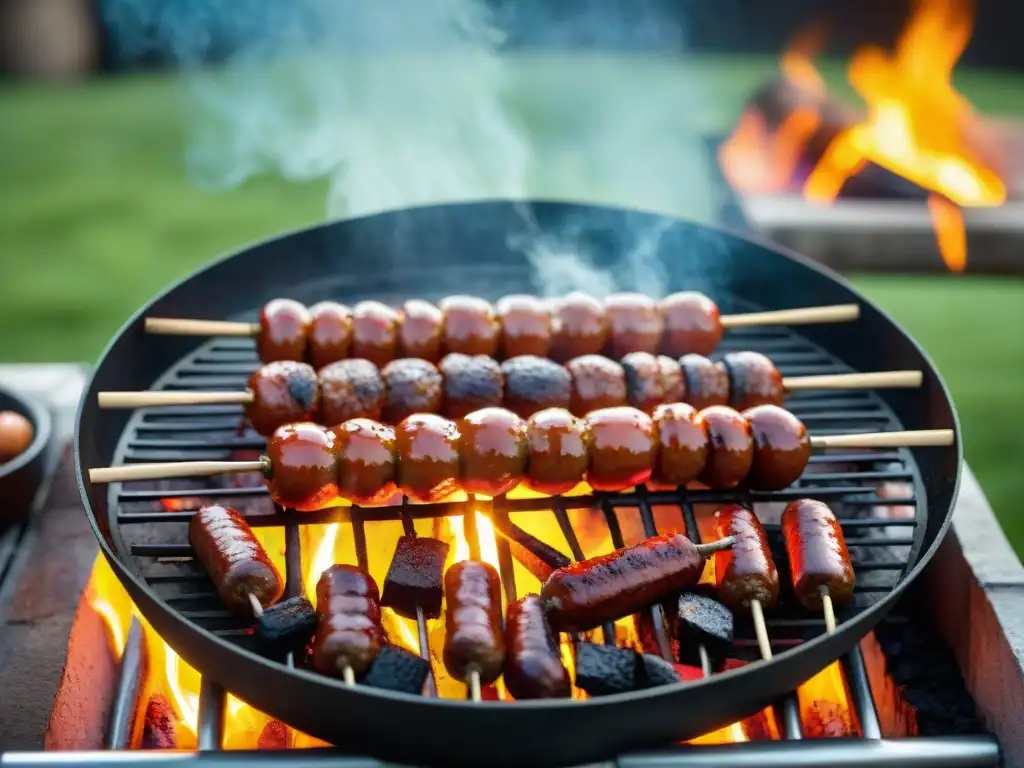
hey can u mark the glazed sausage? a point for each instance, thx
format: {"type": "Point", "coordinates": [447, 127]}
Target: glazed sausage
{"type": "Point", "coordinates": [16, 435]}
{"type": "Point", "coordinates": [411, 386]}
{"type": "Point", "coordinates": [229, 552]}
{"type": "Point", "coordinates": [492, 451]}
{"type": "Point", "coordinates": [367, 461]}
{"type": "Point", "coordinates": [746, 571]}
{"type": "Point", "coordinates": [781, 447]}
{"type": "Point", "coordinates": [579, 327]}
{"type": "Point", "coordinates": [706, 383]}
{"type": "Point", "coordinates": [350, 389]}
{"type": "Point", "coordinates": [692, 324]}
{"type": "Point", "coordinates": [470, 382]}
{"type": "Point", "coordinates": [634, 324]}
{"type": "Point", "coordinates": [533, 661]}
{"type": "Point", "coordinates": [584, 595]}
{"type": "Point", "coordinates": [535, 383]}
{"type": "Point", "coordinates": [303, 466]}
{"type": "Point", "coordinates": [597, 382]}
{"type": "Point", "coordinates": [374, 332]}
{"type": "Point", "coordinates": [753, 380]}
{"type": "Point", "coordinates": [421, 331]}
{"type": "Point", "coordinates": [428, 457]}
{"type": "Point", "coordinates": [330, 333]}
{"type": "Point", "coordinates": [818, 558]}
{"type": "Point", "coordinates": [348, 631]}
{"type": "Point", "coordinates": [473, 635]}
{"type": "Point", "coordinates": [558, 446]}
{"type": "Point", "coordinates": [623, 443]}
{"type": "Point", "coordinates": [652, 380]}
{"type": "Point", "coordinates": [682, 448]}
{"type": "Point", "coordinates": [730, 447]}
{"type": "Point", "coordinates": [284, 330]}
{"type": "Point", "coordinates": [525, 326]}
{"type": "Point", "coordinates": [470, 326]}
{"type": "Point", "coordinates": [282, 391]}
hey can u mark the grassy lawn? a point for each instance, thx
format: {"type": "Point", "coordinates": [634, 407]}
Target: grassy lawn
{"type": "Point", "coordinates": [97, 214]}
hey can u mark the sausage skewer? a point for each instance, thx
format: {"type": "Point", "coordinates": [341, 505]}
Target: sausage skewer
{"type": "Point", "coordinates": [349, 632]}
{"type": "Point", "coordinates": [766, 448]}
{"type": "Point", "coordinates": [285, 391]}
{"type": "Point", "coordinates": [576, 324]}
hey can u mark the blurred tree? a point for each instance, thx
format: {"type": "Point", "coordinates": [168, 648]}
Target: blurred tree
{"type": "Point", "coordinates": [49, 38]}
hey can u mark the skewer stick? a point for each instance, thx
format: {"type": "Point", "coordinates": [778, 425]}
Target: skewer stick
{"type": "Point", "coordinates": [829, 609]}
{"type": "Point", "coordinates": [257, 606]}
{"type": "Point", "coordinates": [348, 675]}
{"type": "Point", "coordinates": [832, 313]}
{"type": "Point", "coordinates": [715, 546]}
{"type": "Point", "coordinates": [172, 326]}
{"type": "Point", "coordinates": [760, 630]}
{"type": "Point", "coordinates": [150, 398]}
{"type": "Point", "coordinates": [872, 380]}
{"type": "Point", "coordinates": [903, 439]}
{"type": "Point", "coordinates": [474, 684]}
{"type": "Point", "coordinates": [705, 660]}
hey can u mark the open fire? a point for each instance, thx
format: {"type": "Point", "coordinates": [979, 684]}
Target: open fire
{"type": "Point", "coordinates": [169, 702]}
{"type": "Point", "coordinates": [915, 126]}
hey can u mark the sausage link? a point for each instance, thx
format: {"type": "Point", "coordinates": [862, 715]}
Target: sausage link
{"type": "Point", "coordinates": [282, 391]}
{"type": "Point", "coordinates": [284, 331]}
{"type": "Point", "coordinates": [348, 631]}
{"type": "Point", "coordinates": [753, 380]}
{"type": "Point", "coordinates": [330, 333]}
{"type": "Point", "coordinates": [818, 558]}
{"type": "Point", "coordinates": [635, 323]}
{"type": "Point", "coordinates": [533, 662]}
{"type": "Point", "coordinates": [584, 595]}
{"type": "Point", "coordinates": [746, 571]}
{"type": "Point", "coordinates": [229, 552]}
{"type": "Point", "coordinates": [692, 324]}
{"type": "Point", "coordinates": [473, 636]}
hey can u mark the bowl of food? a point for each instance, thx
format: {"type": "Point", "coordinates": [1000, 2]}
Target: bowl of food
{"type": "Point", "coordinates": [25, 432]}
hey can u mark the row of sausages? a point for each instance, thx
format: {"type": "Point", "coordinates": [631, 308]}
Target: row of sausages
{"type": "Point", "coordinates": [564, 328]}
{"type": "Point", "coordinates": [490, 451]}
{"type": "Point", "coordinates": [286, 391]}
{"type": "Point", "coordinates": [576, 598]}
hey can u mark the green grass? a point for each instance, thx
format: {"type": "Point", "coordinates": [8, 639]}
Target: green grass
{"type": "Point", "coordinates": [97, 214]}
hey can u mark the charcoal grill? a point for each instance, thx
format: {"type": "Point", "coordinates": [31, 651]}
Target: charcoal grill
{"type": "Point", "coordinates": [472, 248]}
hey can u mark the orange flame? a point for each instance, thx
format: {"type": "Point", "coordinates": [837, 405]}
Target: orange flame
{"type": "Point", "coordinates": [825, 705]}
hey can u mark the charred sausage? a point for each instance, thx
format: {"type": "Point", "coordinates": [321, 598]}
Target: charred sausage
{"type": "Point", "coordinates": [584, 595]}
{"type": "Point", "coordinates": [421, 331]}
{"type": "Point", "coordinates": [623, 443]}
{"type": "Point", "coordinates": [470, 326]}
{"type": "Point", "coordinates": [282, 391]}
{"type": "Point", "coordinates": [652, 380]}
{"type": "Point", "coordinates": [746, 571]}
{"type": "Point", "coordinates": [580, 327]}
{"type": "Point", "coordinates": [535, 383]}
{"type": "Point", "coordinates": [374, 332]}
{"type": "Point", "coordinates": [558, 446]}
{"type": "Point", "coordinates": [229, 552]}
{"type": "Point", "coordinates": [682, 444]}
{"type": "Point", "coordinates": [781, 447]}
{"type": "Point", "coordinates": [284, 328]}
{"type": "Point", "coordinates": [473, 635]}
{"type": "Point", "coordinates": [706, 383]}
{"type": "Point", "coordinates": [492, 451]}
{"type": "Point", "coordinates": [753, 380]}
{"type": "Point", "coordinates": [367, 461]}
{"type": "Point", "coordinates": [348, 632]}
{"type": "Point", "coordinates": [428, 457]}
{"type": "Point", "coordinates": [692, 324]}
{"type": "Point", "coordinates": [303, 466]}
{"type": "Point", "coordinates": [730, 447]}
{"type": "Point", "coordinates": [634, 324]}
{"type": "Point", "coordinates": [818, 559]}
{"type": "Point", "coordinates": [350, 389]}
{"type": "Point", "coordinates": [470, 382]}
{"type": "Point", "coordinates": [597, 382]}
{"type": "Point", "coordinates": [533, 661]}
{"type": "Point", "coordinates": [411, 386]}
{"type": "Point", "coordinates": [330, 333]}
{"type": "Point", "coordinates": [525, 326]}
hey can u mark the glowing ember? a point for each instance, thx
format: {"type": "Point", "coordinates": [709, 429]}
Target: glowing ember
{"type": "Point", "coordinates": [825, 705]}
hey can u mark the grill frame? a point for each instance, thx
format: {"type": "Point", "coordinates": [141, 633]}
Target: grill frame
{"type": "Point", "coordinates": [589, 730]}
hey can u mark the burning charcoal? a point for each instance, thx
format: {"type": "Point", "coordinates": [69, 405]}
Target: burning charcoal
{"type": "Point", "coordinates": [288, 624]}
{"type": "Point", "coordinates": [536, 556]}
{"type": "Point", "coordinates": [605, 669]}
{"type": "Point", "coordinates": [275, 735]}
{"type": "Point", "coordinates": [396, 669]}
{"type": "Point", "coordinates": [826, 720]}
{"type": "Point", "coordinates": [158, 732]}
{"type": "Point", "coordinates": [414, 578]}
{"type": "Point", "coordinates": [703, 621]}
{"type": "Point", "coordinates": [653, 671]}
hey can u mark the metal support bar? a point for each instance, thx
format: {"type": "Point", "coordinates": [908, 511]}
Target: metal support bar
{"type": "Point", "coordinates": [125, 709]}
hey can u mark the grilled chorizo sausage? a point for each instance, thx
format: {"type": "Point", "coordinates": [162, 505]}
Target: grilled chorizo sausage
{"type": "Point", "coordinates": [746, 571]}
{"type": "Point", "coordinates": [282, 391]}
{"type": "Point", "coordinates": [584, 595]}
{"type": "Point", "coordinates": [781, 447]}
{"type": "Point", "coordinates": [818, 558]}
{"type": "Point", "coordinates": [753, 380]}
{"type": "Point", "coordinates": [473, 636]}
{"type": "Point", "coordinates": [470, 326]}
{"type": "Point", "coordinates": [428, 457]}
{"type": "Point", "coordinates": [558, 446]}
{"type": "Point", "coordinates": [692, 324]}
{"type": "Point", "coordinates": [350, 389]}
{"type": "Point", "coordinates": [229, 552]}
{"type": "Point", "coordinates": [597, 382]}
{"type": "Point", "coordinates": [367, 461]}
{"type": "Point", "coordinates": [730, 447]}
{"type": "Point", "coordinates": [682, 444]}
{"type": "Point", "coordinates": [330, 333]}
{"type": "Point", "coordinates": [579, 327]}
{"type": "Point", "coordinates": [535, 383]}
{"type": "Point", "coordinates": [533, 661]}
{"type": "Point", "coordinates": [303, 471]}
{"type": "Point", "coordinates": [634, 324]}
{"type": "Point", "coordinates": [411, 386]}
{"type": "Point", "coordinates": [525, 326]}
{"type": "Point", "coordinates": [623, 443]}
{"type": "Point", "coordinates": [492, 451]}
{"type": "Point", "coordinates": [374, 332]}
{"type": "Point", "coordinates": [421, 331]}
{"type": "Point", "coordinates": [284, 328]}
{"type": "Point", "coordinates": [706, 383]}
{"type": "Point", "coordinates": [348, 631]}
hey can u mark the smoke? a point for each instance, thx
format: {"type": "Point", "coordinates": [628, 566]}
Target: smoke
{"type": "Point", "coordinates": [405, 102]}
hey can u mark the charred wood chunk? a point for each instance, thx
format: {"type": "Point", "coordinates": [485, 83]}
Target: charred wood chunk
{"type": "Point", "coordinates": [653, 671]}
{"type": "Point", "coordinates": [396, 669]}
{"type": "Point", "coordinates": [415, 577]}
{"type": "Point", "coordinates": [702, 621]}
{"type": "Point", "coordinates": [275, 735]}
{"type": "Point", "coordinates": [538, 558]}
{"type": "Point", "coordinates": [602, 670]}
{"type": "Point", "coordinates": [287, 625]}
{"type": "Point", "coordinates": [159, 730]}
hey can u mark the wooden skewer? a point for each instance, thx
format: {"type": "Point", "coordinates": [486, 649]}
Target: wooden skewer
{"type": "Point", "coordinates": [169, 469]}
{"type": "Point", "coordinates": [257, 606]}
{"type": "Point", "coordinates": [760, 630]}
{"type": "Point", "coordinates": [705, 660]}
{"type": "Point", "coordinates": [872, 380]}
{"type": "Point", "coordinates": [832, 313]}
{"type": "Point", "coordinates": [829, 609]}
{"type": "Point", "coordinates": [348, 675]}
{"type": "Point", "coordinates": [474, 684]}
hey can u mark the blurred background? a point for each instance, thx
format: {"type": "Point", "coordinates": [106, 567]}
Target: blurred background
{"type": "Point", "coordinates": [142, 138]}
